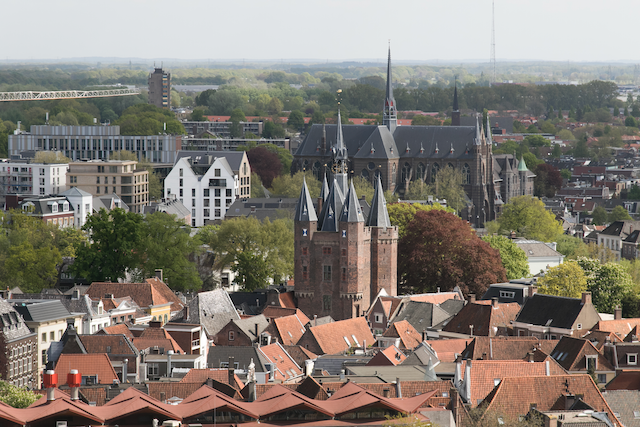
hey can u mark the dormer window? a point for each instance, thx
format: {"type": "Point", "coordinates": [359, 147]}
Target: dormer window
{"type": "Point", "coordinates": [54, 207]}
{"type": "Point", "coordinates": [65, 207]}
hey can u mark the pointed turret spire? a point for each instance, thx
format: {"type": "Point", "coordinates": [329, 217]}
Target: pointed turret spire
{"type": "Point", "coordinates": [324, 192]}
{"type": "Point", "coordinates": [340, 158]}
{"type": "Point", "coordinates": [331, 209]}
{"type": "Point", "coordinates": [304, 208]}
{"type": "Point", "coordinates": [390, 114]}
{"type": "Point", "coordinates": [351, 210]}
{"type": "Point", "coordinates": [522, 166]}
{"type": "Point", "coordinates": [488, 131]}
{"type": "Point", "coordinates": [378, 215]}
{"type": "Point", "coordinates": [455, 112]}
{"type": "Point", "coordinates": [478, 138]}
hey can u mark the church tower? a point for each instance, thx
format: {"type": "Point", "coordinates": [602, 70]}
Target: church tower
{"type": "Point", "coordinates": [455, 112]}
{"type": "Point", "coordinates": [390, 113]}
{"type": "Point", "coordinates": [384, 246]}
{"type": "Point", "coordinates": [340, 160]}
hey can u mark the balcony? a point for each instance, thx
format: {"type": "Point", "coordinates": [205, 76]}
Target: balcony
{"type": "Point", "coordinates": [217, 183]}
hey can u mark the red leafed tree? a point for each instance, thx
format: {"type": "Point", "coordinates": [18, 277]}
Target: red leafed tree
{"type": "Point", "coordinates": [439, 250]}
{"type": "Point", "coordinates": [264, 163]}
{"type": "Point", "coordinates": [547, 181]}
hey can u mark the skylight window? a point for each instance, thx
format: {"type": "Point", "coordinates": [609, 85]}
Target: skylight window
{"type": "Point", "coordinates": [347, 341]}
{"type": "Point", "coordinates": [355, 340]}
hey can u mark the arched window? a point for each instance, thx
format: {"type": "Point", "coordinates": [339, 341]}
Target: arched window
{"type": "Point", "coordinates": [450, 165]}
{"type": "Point", "coordinates": [420, 172]}
{"type": "Point", "coordinates": [434, 171]}
{"type": "Point", "coordinates": [317, 168]}
{"type": "Point", "coordinates": [365, 174]}
{"type": "Point", "coordinates": [305, 165]}
{"type": "Point", "coordinates": [406, 173]}
{"type": "Point", "coordinates": [466, 174]}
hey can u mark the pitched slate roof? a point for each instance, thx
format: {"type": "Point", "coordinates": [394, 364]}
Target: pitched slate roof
{"type": "Point", "coordinates": [421, 315]}
{"type": "Point", "coordinates": [115, 344]}
{"type": "Point", "coordinates": [12, 323]}
{"type": "Point", "coordinates": [378, 214]}
{"type": "Point", "coordinates": [514, 396]}
{"type": "Point", "coordinates": [87, 365]}
{"type": "Point", "coordinates": [625, 404]}
{"type": "Point", "coordinates": [571, 354]}
{"type": "Point", "coordinates": [151, 292]}
{"type": "Point", "coordinates": [551, 311]}
{"type": "Point", "coordinates": [248, 325]}
{"type": "Point", "coordinates": [44, 311]}
{"type": "Point", "coordinates": [485, 318]}
{"type": "Point", "coordinates": [243, 355]}
{"type": "Point", "coordinates": [299, 354]}
{"type": "Point", "coordinates": [351, 210]}
{"type": "Point", "coordinates": [331, 336]}
{"type": "Point", "coordinates": [305, 211]}
{"type": "Point", "coordinates": [212, 309]}
{"type": "Point", "coordinates": [409, 337]}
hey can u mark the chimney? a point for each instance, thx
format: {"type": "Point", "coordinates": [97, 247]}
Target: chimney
{"type": "Point", "coordinates": [467, 381]}
{"type": "Point", "coordinates": [457, 377]}
{"type": "Point", "coordinates": [398, 389]}
{"type": "Point", "coordinates": [50, 380]}
{"type": "Point", "coordinates": [256, 325]}
{"type": "Point", "coordinates": [550, 420]}
{"type": "Point", "coordinates": [169, 353]}
{"type": "Point", "coordinates": [617, 314]}
{"type": "Point", "coordinates": [484, 356]}
{"type": "Point", "coordinates": [315, 320]}
{"type": "Point", "coordinates": [530, 354]}
{"type": "Point", "coordinates": [385, 392]}
{"type": "Point", "coordinates": [569, 399]}
{"type": "Point", "coordinates": [159, 274]}
{"type": "Point", "coordinates": [512, 235]}
{"type": "Point", "coordinates": [124, 370]}
{"type": "Point", "coordinates": [163, 397]}
{"type": "Point", "coordinates": [74, 379]}
{"type": "Point", "coordinates": [186, 312]}
{"type": "Point", "coordinates": [232, 371]}
{"type": "Point", "coordinates": [471, 298]}
{"type": "Point", "coordinates": [494, 302]}
{"type": "Point", "coordinates": [455, 409]}
{"type": "Point", "coordinates": [586, 298]}
{"type": "Point", "coordinates": [252, 391]}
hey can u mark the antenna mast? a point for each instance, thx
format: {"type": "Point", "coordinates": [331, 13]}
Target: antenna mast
{"type": "Point", "coordinates": [493, 42]}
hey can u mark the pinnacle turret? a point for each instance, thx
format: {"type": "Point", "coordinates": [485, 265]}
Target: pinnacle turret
{"type": "Point", "coordinates": [324, 192]}
{"type": "Point", "coordinates": [331, 209]}
{"type": "Point", "coordinates": [304, 208]}
{"type": "Point", "coordinates": [390, 114]}
{"type": "Point", "coordinates": [351, 210]}
{"type": "Point", "coordinates": [378, 215]}
{"type": "Point", "coordinates": [478, 138]}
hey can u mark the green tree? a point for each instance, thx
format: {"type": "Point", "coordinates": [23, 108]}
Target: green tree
{"type": "Point", "coordinates": [581, 149]}
{"type": "Point", "coordinates": [257, 190]}
{"type": "Point", "coordinates": [32, 269]}
{"type": "Point", "coordinates": [419, 190]}
{"type": "Point", "coordinates": [608, 283]}
{"type": "Point", "coordinates": [146, 119]}
{"type": "Point", "coordinates": [565, 135]}
{"type": "Point", "coordinates": [16, 397]}
{"type": "Point", "coordinates": [514, 260]}
{"type": "Point", "coordinates": [296, 120]}
{"type": "Point", "coordinates": [237, 116]}
{"type": "Point", "coordinates": [568, 245]}
{"type": "Point", "coordinates": [401, 214]}
{"type": "Point", "coordinates": [448, 185]}
{"type": "Point", "coordinates": [565, 173]}
{"type": "Point", "coordinates": [50, 157]}
{"type": "Point", "coordinates": [198, 115]}
{"type": "Point", "coordinates": [363, 187]}
{"type": "Point", "coordinates": [565, 280]}
{"type": "Point", "coordinates": [272, 130]}
{"type": "Point", "coordinates": [166, 244]}
{"type": "Point", "coordinates": [634, 193]}
{"type": "Point", "coordinates": [556, 152]}
{"type": "Point", "coordinates": [116, 236]}
{"type": "Point", "coordinates": [275, 106]}
{"type": "Point", "coordinates": [290, 186]}
{"type": "Point", "coordinates": [599, 215]}
{"type": "Point", "coordinates": [619, 213]}
{"type": "Point", "coordinates": [537, 140]}
{"type": "Point", "coordinates": [630, 121]}
{"type": "Point", "coordinates": [420, 120]}
{"type": "Point", "coordinates": [528, 217]}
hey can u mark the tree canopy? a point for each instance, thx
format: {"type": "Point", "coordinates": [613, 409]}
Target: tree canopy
{"type": "Point", "coordinates": [265, 164]}
{"type": "Point", "coordinates": [608, 283]}
{"type": "Point", "coordinates": [514, 260]}
{"type": "Point", "coordinates": [528, 217]}
{"type": "Point", "coordinates": [439, 250]}
{"type": "Point", "coordinates": [146, 119]}
{"type": "Point", "coordinates": [564, 280]}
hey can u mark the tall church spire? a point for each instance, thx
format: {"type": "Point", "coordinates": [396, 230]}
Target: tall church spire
{"type": "Point", "coordinates": [455, 112]}
{"type": "Point", "coordinates": [340, 159]}
{"type": "Point", "coordinates": [390, 114]}
{"type": "Point", "coordinates": [304, 208]}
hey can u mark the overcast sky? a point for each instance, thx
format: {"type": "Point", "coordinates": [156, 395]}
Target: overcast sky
{"type": "Point", "coordinates": [334, 30]}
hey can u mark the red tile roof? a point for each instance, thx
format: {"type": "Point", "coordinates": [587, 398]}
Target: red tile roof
{"type": "Point", "coordinates": [514, 396]}
{"type": "Point", "coordinates": [286, 300]}
{"type": "Point", "coordinates": [290, 328]}
{"type": "Point", "coordinates": [622, 327]}
{"type": "Point", "coordinates": [570, 353]}
{"type": "Point", "coordinates": [87, 365]}
{"type": "Point", "coordinates": [120, 328]}
{"type": "Point", "coordinates": [434, 298]}
{"type": "Point", "coordinates": [286, 368]}
{"type": "Point", "coordinates": [151, 292]}
{"type": "Point", "coordinates": [409, 337]}
{"type": "Point", "coordinates": [390, 356]}
{"type": "Point", "coordinates": [506, 348]}
{"type": "Point", "coordinates": [448, 349]}
{"type": "Point", "coordinates": [155, 336]}
{"type": "Point", "coordinates": [625, 380]}
{"type": "Point", "coordinates": [200, 376]}
{"type": "Point", "coordinates": [273, 312]}
{"type": "Point", "coordinates": [331, 336]}
{"type": "Point", "coordinates": [485, 374]}
{"type": "Point", "coordinates": [94, 394]}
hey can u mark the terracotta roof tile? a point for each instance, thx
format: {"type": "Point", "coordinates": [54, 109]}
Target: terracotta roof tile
{"type": "Point", "coordinates": [447, 350]}
{"type": "Point", "coordinates": [286, 300]}
{"type": "Point", "coordinates": [514, 396]}
{"type": "Point", "coordinates": [290, 328]}
{"type": "Point", "coordinates": [94, 394]}
{"type": "Point", "coordinates": [117, 344]}
{"type": "Point", "coordinates": [219, 374]}
{"type": "Point", "coordinates": [87, 365]}
{"type": "Point", "coordinates": [120, 328]}
{"type": "Point", "coordinates": [273, 312]}
{"type": "Point", "coordinates": [155, 336]}
{"type": "Point", "coordinates": [390, 356]}
{"type": "Point", "coordinates": [570, 353]}
{"type": "Point", "coordinates": [599, 338]}
{"type": "Point", "coordinates": [625, 380]}
{"type": "Point", "coordinates": [331, 336]}
{"type": "Point", "coordinates": [151, 292]}
{"type": "Point", "coordinates": [409, 337]}
{"type": "Point", "coordinates": [286, 368]}
{"type": "Point", "coordinates": [487, 319]}
{"type": "Point", "coordinates": [622, 327]}
{"type": "Point", "coordinates": [486, 373]}
{"type": "Point", "coordinates": [434, 298]}
{"type": "Point", "coordinates": [506, 348]}
{"type": "Point", "coordinates": [299, 354]}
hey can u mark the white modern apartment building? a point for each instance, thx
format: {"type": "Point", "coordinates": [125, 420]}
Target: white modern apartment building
{"type": "Point", "coordinates": [206, 185]}
{"type": "Point", "coordinates": [94, 143]}
{"type": "Point", "coordinates": [23, 177]}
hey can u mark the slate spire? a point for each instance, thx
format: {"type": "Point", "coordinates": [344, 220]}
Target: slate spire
{"type": "Point", "coordinates": [324, 192]}
{"type": "Point", "coordinates": [340, 159]}
{"type": "Point", "coordinates": [331, 209]}
{"type": "Point", "coordinates": [378, 214]}
{"type": "Point", "coordinates": [455, 111]}
{"type": "Point", "coordinates": [478, 138]}
{"type": "Point", "coordinates": [522, 166]}
{"type": "Point", "coordinates": [488, 131]}
{"type": "Point", "coordinates": [304, 208]}
{"type": "Point", "coordinates": [390, 114]}
{"type": "Point", "coordinates": [351, 210]}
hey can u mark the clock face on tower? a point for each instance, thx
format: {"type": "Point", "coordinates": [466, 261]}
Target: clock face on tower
{"type": "Point", "coordinates": [337, 167]}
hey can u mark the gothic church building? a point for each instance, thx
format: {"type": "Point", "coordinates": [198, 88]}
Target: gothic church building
{"type": "Point", "coordinates": [397, 155]}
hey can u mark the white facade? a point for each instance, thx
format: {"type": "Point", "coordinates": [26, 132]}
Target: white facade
{"type": "Point", "coordinates": [612, 242]}
{"type": "Point", "coordinates": [32, 178]}
{"type": "Point", "coordinates": [82, 203]}
{"type": "Point", "coordinates": [207, 195]}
